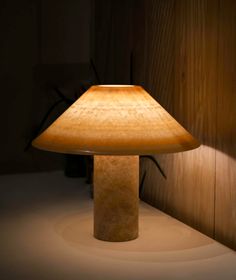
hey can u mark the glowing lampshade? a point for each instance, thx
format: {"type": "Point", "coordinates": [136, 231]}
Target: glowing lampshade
{"type": "Point", "coordinates": [115, 122]}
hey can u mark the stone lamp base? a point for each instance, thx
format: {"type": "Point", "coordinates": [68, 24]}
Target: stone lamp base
{"type": "Point", "coordinates": [116, 197]}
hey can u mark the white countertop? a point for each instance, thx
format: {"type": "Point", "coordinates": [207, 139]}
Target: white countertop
{"type": "Point", "coordinates": [46, 233]}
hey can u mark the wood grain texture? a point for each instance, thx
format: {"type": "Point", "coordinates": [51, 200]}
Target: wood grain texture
{"type": "Point", "coordinates": [226, 126]}
{"type": "Point", "coordinates": [200, 186]}
{"type": "Point", "coordinates": [184, 55]}
{"type": "Point", "coordinates": [179, 42]}
{"type": "Point", "coordinates": [194, 107]}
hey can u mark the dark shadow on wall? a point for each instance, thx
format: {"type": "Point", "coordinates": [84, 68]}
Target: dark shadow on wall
{"type": "Point", "coordinates": [44, 44]}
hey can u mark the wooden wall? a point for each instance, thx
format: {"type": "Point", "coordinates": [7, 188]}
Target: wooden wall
{"type": "Point", "coordinates": [183, 53]}
{"type": "Point", "coordinates": [225, 195]}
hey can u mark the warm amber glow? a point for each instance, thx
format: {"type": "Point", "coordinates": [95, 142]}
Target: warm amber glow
{"type": "Point", "coordinates": [116, 86]}
{"type": "Point", "coordinates": [115, 120]}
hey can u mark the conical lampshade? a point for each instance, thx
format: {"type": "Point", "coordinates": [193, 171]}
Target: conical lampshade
{"type": "Point", "coordinates": [115, 120]}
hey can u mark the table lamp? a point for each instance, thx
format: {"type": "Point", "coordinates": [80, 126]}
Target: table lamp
{"type": "Point", "coordinates": [116, 124]}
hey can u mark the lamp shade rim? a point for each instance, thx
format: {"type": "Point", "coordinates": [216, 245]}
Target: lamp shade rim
{"type": "Point", "coordinates": [116, 120]}
{"type": "Point", "coordinates": [58, 147]}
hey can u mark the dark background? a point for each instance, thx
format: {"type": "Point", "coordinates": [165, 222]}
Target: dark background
{"type": "Point", "coordinates": [44, 44]}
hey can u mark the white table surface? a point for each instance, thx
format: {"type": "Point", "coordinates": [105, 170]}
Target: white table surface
{"type": "Point", "coordinates": [46, 233]}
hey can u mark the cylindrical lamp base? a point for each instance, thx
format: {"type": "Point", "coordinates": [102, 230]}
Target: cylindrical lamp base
{"type": "Point", "coordinates": [116, 199]}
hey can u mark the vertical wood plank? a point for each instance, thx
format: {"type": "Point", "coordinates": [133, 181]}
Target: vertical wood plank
{"type": "Point", "coordinates": [182, 61]}
{"type": "Point", "coordinates": [226, 127]}
{"type": "Point", "coordinates": [194, 101]}
{"type": "Point", "coordinates": [184, 55]}
{"type": "Point", "coordinates": [159, 81]}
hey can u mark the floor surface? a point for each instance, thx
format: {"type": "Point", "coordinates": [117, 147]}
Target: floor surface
{"type": "Point", "coordinates": [46, 224]}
